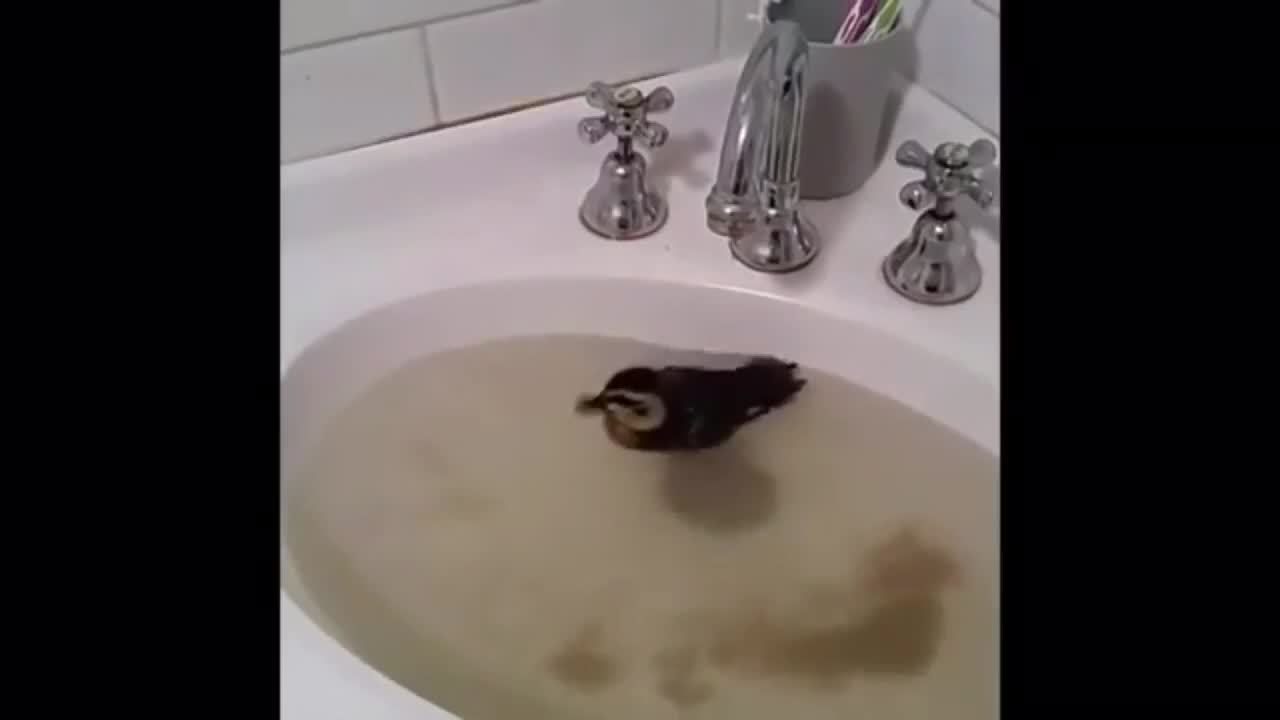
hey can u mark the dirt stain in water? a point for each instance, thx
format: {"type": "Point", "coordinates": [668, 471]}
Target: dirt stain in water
{"type": "Point", "coordinates": [582, 664]}
{"type": "Point", "coordinates": [898, 635]}
{"type": "Point", "coordinates": [906, 565]}
{"type": "Point", "coordinates": [678, 677]}
{"type": "Point", "coordinates": [886, 619]}
{"type": "Point", "coordinates": [899, 638]}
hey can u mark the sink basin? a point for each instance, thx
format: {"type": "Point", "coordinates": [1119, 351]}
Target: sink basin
{"type": "Point", "coordinates": [456, 542]}
{"type": "Point", "coordinates": [515, 564]}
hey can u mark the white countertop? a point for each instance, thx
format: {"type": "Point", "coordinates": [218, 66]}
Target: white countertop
{"type": "Point", "coordinates": [499, 198]}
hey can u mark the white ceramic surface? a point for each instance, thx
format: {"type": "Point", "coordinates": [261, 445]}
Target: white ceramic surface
{"type": "Point", "coordinates": [486, 213]}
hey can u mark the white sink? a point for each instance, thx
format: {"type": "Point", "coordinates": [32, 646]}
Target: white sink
{"type": "Point", "coordinates": [396, 253]}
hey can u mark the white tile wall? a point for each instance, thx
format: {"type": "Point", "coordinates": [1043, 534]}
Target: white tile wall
{"type": "Point", "coordinates": [958, 44]}
{"type": "Point", "coordinates": [737, 30]}
{"type": "Point", "coordinates": [355, 72]}
{"type": "Point", "coordinates": [554, 47]}
{"type": "Point", "coordinates": [338, 96]}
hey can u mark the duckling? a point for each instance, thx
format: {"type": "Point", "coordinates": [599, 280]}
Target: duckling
{"type": "Point", "coordinates": [684, 408]}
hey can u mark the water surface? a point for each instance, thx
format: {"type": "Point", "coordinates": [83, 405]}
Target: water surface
{"type": "Point", "coordinates": [469, 535]}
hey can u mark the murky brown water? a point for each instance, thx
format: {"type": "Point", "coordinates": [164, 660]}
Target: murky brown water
{"type": "Point", "coordinates": [473, 538]}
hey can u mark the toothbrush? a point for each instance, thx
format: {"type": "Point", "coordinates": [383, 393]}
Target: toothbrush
{"type": "Point", "coordinates": [885, 20]}
{"type": "Point", "coordinates": [864, 23]}
{"type": "Point", "coordinates": [855, 21]}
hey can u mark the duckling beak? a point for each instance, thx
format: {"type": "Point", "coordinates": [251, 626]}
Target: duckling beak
{"type": "Point", "coordinates": [589, 404]}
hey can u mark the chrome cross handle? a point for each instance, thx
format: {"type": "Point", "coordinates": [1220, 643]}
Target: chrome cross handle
{"type": "Point", "coordinates": [952, 170]}
{"type": "Point", "coordinates": [621, 205]}
{"type": "Point", "coordinates": [626, 114]}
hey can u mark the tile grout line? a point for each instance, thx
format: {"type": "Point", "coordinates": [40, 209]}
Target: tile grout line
{"type": "Point", "coordinates": [443, 125]}
{"type": "Point", "coordinates": [985, 6]}
{"type": "Point", "coordinates": [430, 69]}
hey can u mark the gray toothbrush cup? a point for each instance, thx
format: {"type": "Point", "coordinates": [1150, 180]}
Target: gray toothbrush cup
{"type": "Point", "coordinates": [848, 88]}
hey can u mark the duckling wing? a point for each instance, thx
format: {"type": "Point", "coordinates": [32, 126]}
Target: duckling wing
{"type": "Point", "coordinates": [766, 384]}
{"type": "Point", "coordinates": [703, 423]}
{"type": "Point", "coordinates": [707, 405]}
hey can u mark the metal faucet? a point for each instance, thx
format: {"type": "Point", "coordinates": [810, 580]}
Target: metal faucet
{"type": "Point", "coordinates": [937, 263]}
{"type": "Point", "coordinates": [757, 192]}
{"type": "Point", "coordinates": [621, 204]}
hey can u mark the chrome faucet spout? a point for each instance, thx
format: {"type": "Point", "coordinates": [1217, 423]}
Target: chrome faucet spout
{"type": "Point", "coordinates": [756, 195]}
{"type": "Point", "coordinates": [761, 136]}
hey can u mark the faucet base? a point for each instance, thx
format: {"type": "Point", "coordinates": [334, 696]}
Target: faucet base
{"type": "Point", "coordinates": [621, 205]}
{"type": "Point", "coordinates": [924, 272]}
{"type": "Point", "coordinates": [782, 243]}
{"type": "Point", "coordinates": [727, 215]}
{"type": "Point", "coordinates": [625, 219]}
